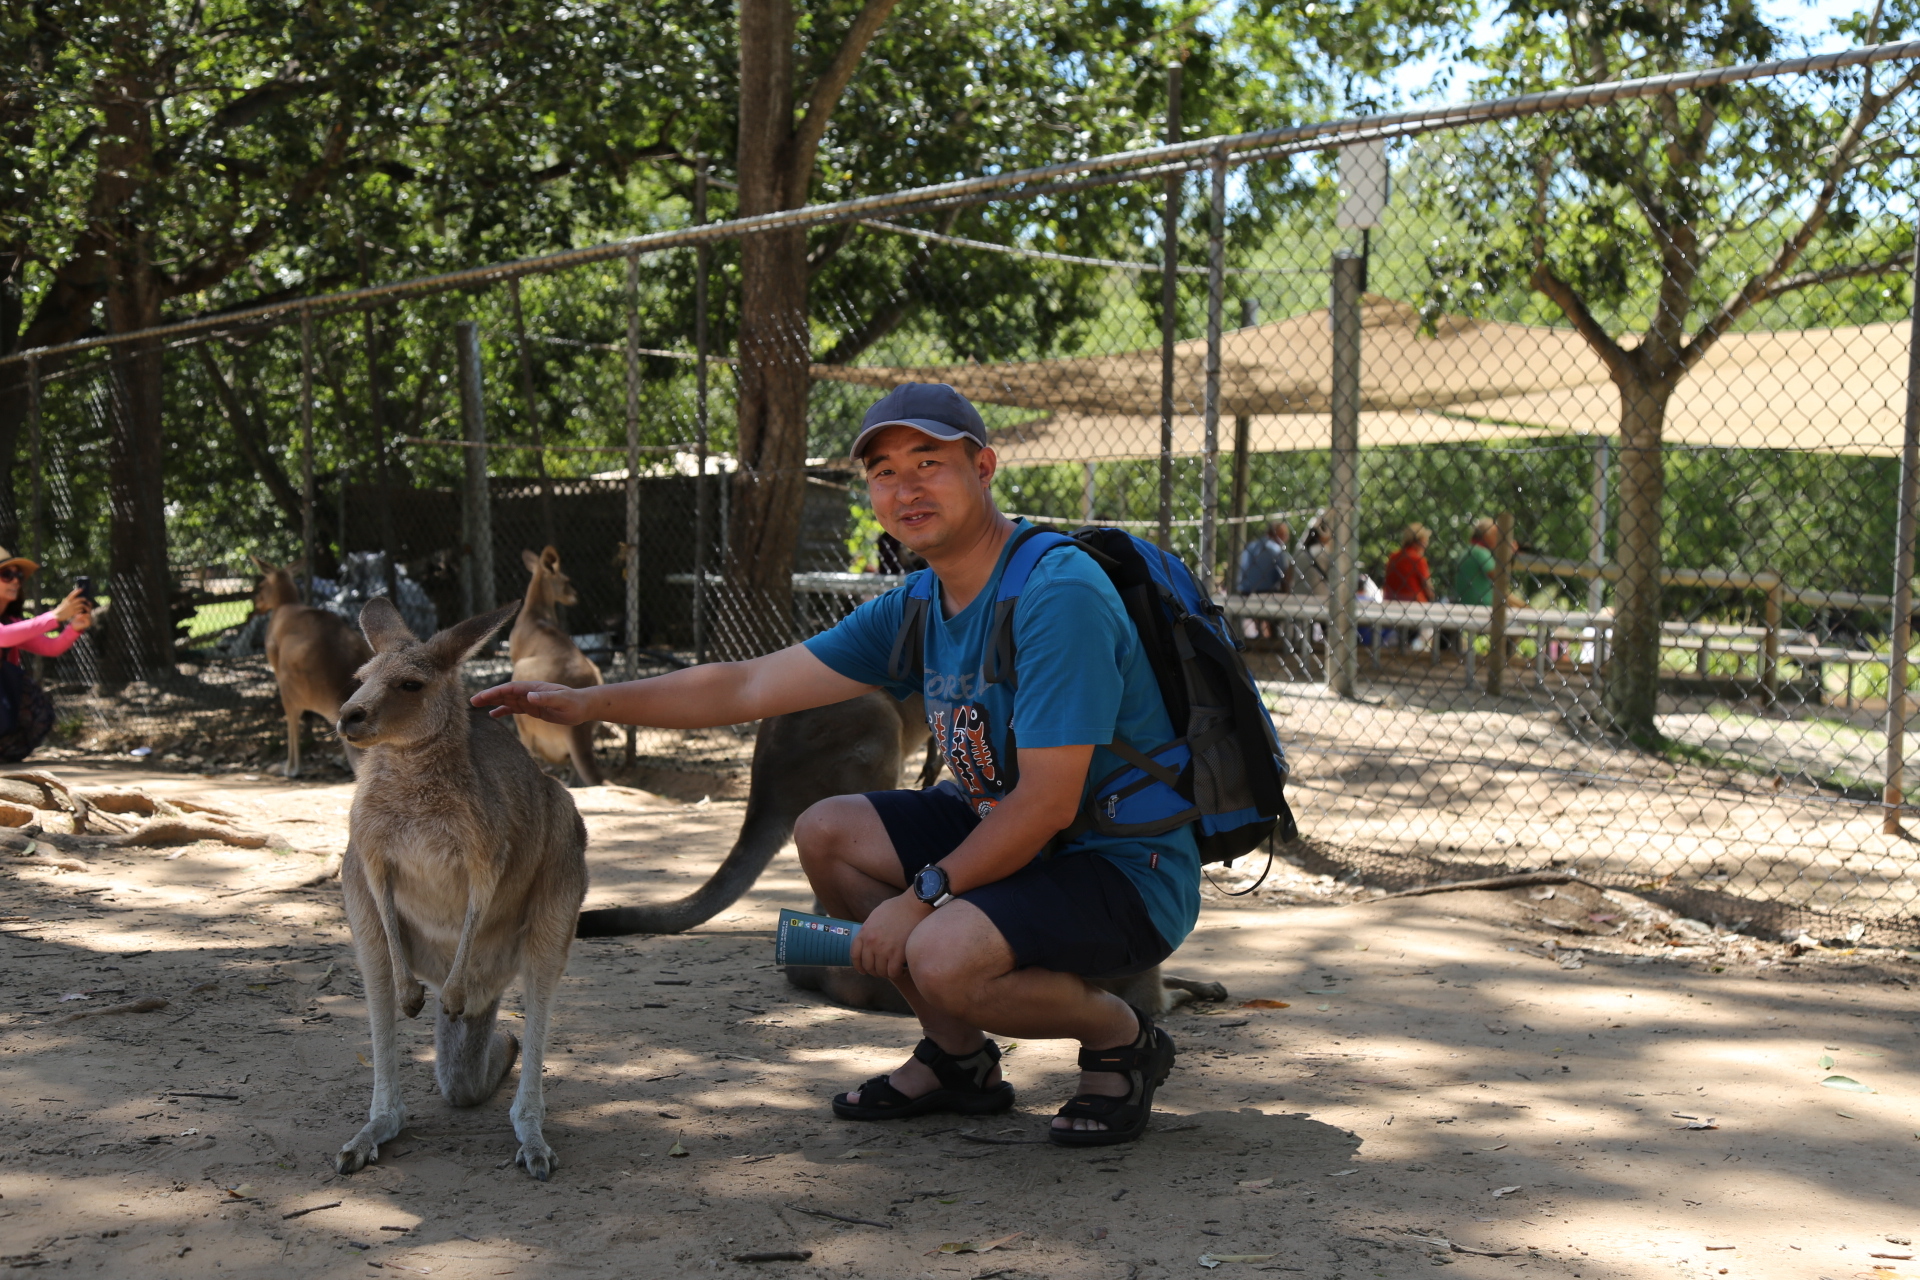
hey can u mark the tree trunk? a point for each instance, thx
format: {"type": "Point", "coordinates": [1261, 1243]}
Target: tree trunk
{"type": "Point", "coordinates": [139, 630]}
{"type": "Point", "coordinates": [1633, 680]}
{"type": "Point", "coordinates": [774, 348]}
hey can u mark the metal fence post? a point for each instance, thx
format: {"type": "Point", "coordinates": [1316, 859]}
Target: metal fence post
{"type": "Point", "coordinates": [383, 469]}
{"type": "Point", "coordinates": [1770, 647]}
{"type": "Point", "coordinates": [477, 510]}
{"type": "Point", "coordinates": [1903, 572]}
{"type": "Point", "coordinates": [306, 449]}
{"type": "Point", "coordinates": [533, 412]}
{"type": "Point", "coordinates": [1169, 307]}
{"type": "Point", "coordinates": [1343, 653]}
{"type": "Point", "coordinates": [35, 545]}
{"type": "Point", "coordinates": [633, 481]}
{"type": "Point", "coordinates": [1502, 586]}
{"type": "Point", "coordinates": [1216, 282]}
{"type": "Point", "coordinates": [703, 263]}
{"type": "Point", "coordinates": [1242, 433]}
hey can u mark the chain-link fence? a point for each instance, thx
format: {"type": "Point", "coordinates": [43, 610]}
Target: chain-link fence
{"type": "Point", "coordinates": [1556, 485]}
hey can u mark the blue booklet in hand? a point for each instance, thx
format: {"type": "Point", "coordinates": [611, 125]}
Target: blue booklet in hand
{"type": "Point", "coordinates": [801, 938]}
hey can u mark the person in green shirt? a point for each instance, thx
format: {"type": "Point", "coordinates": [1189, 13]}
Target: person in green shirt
{"type": "Point", "coordinates": [1473, 576]}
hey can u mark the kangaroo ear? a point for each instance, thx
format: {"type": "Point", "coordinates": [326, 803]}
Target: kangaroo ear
{"type": "Point", "coordinates": [551, 558]}
{"type": "Point", "coordinates": [259, 564]}
{"type": "Point", "coordinates": [463, 639]}
{"type": "Point", "coordinates": [530, 560]}
{"type": "Point", "coordinates": [381, 623]}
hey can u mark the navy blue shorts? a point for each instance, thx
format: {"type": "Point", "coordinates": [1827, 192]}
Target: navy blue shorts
{"type": "Point", "coordinates": [1075, 913]}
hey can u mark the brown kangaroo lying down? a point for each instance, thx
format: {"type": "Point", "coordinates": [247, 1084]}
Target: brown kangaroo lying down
{"type": "Point", "coordinates": [805, 757]}
{"type": "Point", "coordinates": [541, 649]}
{"type": "Point", "coordinates": [312, 653]}
{"type": "Point", "coordinates": [465, 866]}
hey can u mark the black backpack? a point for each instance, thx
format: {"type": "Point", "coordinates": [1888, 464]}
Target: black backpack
{"type": "Point", "coordinates": [1225, 773]}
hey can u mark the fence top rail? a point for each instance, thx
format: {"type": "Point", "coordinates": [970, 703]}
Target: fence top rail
{"type": "Point", "coordinates": [1121, 166]}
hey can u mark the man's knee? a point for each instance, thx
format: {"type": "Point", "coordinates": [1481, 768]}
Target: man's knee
{"type": "Point", "coordinates": [954, 953]}
{"type": "Point", "coordinates": [821, 831]}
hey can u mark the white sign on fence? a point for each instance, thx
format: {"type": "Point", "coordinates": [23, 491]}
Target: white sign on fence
{"type": "Point", "coordinates": [1364, 185]}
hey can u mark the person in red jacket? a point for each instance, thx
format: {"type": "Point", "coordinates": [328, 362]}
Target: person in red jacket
{"type": "Point", "coordinates": [1408, 577]}
{"type": "Point", "coordinates": [26, 713]}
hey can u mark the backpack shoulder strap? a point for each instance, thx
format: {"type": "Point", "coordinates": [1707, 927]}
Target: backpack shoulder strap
{"type": "Point", "coordinates": [1028, 546]}
{"type": "Point", "coordinates": [907, 663]}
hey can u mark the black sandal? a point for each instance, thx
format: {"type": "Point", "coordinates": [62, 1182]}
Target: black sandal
{"type": "Point", "coordinates": [1145, 1063]}
{"type": "Point", "coordinates": [963, 1088]}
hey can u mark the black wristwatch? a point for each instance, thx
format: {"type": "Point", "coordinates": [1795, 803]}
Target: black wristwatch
{"type": "Point", "coordinates": [931, 886]}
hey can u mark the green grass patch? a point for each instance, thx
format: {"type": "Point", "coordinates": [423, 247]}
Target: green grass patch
{"type": "Point", "coordinates": [209, 618]}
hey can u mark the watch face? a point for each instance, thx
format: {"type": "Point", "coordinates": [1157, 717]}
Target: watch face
{"type": "Point", "coordinates": [930, 883]}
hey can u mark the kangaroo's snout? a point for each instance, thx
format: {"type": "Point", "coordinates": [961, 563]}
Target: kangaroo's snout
{"type": "Point", "coordinates": [356, 724]}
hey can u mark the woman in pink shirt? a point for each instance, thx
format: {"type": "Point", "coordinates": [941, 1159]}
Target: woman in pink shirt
{"type": "Point", "coordinates": [26, 713]}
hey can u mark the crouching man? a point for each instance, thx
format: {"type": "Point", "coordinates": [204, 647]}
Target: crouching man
{"type": "Point", "coordinates": [979, 900]}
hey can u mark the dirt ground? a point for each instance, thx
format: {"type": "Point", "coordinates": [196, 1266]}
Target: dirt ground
{"type": "Point", "coordinates": [1500, 1082]}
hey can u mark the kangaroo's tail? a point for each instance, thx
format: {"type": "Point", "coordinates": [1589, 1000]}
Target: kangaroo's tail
{"type": "Point", "coordinates": [762, 835]}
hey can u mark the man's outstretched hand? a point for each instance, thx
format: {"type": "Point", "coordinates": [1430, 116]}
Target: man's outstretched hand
{"type": "Point", "coordinates": [554, 703]}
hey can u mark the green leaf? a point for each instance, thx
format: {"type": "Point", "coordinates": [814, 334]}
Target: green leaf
{"type": "Point", "coordinates": [1824, 1062]}
{"type": "Point", "coordinates": [1847, 1083]}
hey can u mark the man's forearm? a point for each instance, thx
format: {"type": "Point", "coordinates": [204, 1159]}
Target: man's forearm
{"type": "Point", "coordinates": [700, 697]}
{"type": "Point", "coordinates": [1005, 841]}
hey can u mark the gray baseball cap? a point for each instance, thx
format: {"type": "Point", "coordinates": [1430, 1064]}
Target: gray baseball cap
{"type": "Point", "coordinates": [931, 407]}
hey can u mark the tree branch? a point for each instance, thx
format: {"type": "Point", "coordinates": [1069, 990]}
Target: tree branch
{"type": "Point", "coordinates": [825, 95]}
{"type": "Point", "coordinates": [247, 436]}
{"type": "Point", "coordinates": [1755, 290]}
{"type": "Point", "coordinates": [1853, 271]}
{"type": "Point", "coordinates": [895, 313]}
{"type": "Point", "coordinates": [1573, 306]}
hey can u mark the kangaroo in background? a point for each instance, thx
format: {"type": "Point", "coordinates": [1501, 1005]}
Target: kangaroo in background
{"type": "Point", "coordinates": [465, 867]}
{"type": "Point", "coordinates": [312, 653]}
{"type": "Point", "coordinates": [807, 756]}
{"type": "Point", "coordinates": [541, 649]}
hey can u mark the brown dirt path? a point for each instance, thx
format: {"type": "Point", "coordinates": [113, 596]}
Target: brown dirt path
{"type": "Point", "coordinates": [1434, 1051]}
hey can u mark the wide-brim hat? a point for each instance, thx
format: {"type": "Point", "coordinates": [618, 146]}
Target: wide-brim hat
{"type": "Point", "coordinates": [932, 408]}
{"type": "Point", "coordinates": [25, 565]}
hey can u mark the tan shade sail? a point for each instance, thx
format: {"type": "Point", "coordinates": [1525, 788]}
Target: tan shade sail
{"type": "Point", "coordinates": [1837, 389]}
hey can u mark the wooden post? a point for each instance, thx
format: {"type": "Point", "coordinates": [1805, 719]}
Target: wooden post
{"type": "Point", "coordinates": [1502, 583]}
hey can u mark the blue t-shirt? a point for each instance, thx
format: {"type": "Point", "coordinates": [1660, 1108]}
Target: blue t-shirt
{"type": "Point", "coordinates": [1083, 679]}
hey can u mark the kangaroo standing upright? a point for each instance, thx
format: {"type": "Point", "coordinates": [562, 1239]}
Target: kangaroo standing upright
{"type": "Point", "coordinates": [541, 649]}
{"type": "Point", "coordinates": [312, 653]}
{"type": "Point", "coordinates": [465, 866]}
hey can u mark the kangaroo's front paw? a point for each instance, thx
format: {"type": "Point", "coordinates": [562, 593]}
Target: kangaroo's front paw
{"type": "Point", "coordinates": [453, 998]}
{"type": "Point", "coordinates": [537, 1158]}
{"type": "Point", "coordinates": [412, 996]}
